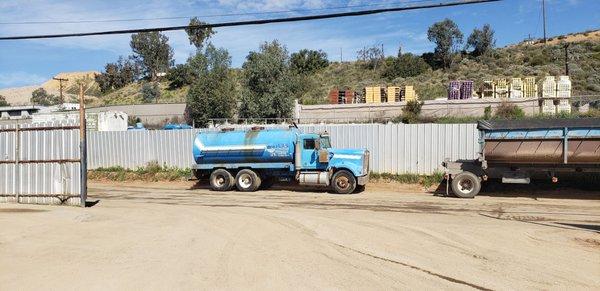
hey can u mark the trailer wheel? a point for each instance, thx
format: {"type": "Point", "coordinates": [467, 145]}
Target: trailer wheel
{"type": "Point", "coordinates": [247, 180]}
{"type": "Point", "coordinates": [466, 185]}
{"type": "Point", "coordinates": [221, 180]}
{"type": "Point", "coordinates": [343, 182]}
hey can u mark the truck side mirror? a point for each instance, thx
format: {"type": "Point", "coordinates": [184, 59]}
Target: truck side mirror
{"type": "Point", "coordinates": [317, 144]}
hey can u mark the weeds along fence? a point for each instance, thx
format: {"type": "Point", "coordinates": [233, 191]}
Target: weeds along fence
{"type": "Point", "coordinates": [395, 148]}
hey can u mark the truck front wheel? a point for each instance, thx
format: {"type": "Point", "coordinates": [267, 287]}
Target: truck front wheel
{"type": "Point", "coordinates": [247, 181]}
{"type": "Point", "coordinates": [466, 185]}
{"type": "Point", "coordinates": [343, 182]}
{"type": "Point", "coordinates": [221, 180]}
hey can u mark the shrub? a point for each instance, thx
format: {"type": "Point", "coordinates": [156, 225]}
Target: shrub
{"type": "Point", "coordinates": [487, 113]}
{"type": "Point", "coordinates": [509, 111]}
{"type": "Point", "coordinates": [150, 92]}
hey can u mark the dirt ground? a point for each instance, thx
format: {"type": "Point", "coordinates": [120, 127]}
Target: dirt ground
{"type": "Point", "coordinates": [174, 236]}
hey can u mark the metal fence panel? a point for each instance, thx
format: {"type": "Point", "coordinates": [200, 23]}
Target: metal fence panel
{"type": "Point", "coordinates": [395, 148]}
{"type": "Point", "coordinates": [40, 183]}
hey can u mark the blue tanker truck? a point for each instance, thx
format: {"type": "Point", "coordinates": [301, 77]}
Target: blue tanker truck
{"type": "Point", "coordinates": [257, 158]}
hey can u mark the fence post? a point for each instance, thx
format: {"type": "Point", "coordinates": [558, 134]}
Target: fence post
{"type": "Point", "coordinates": [17, 169]}
{"type": "Point", "coordinates": [82, 148]}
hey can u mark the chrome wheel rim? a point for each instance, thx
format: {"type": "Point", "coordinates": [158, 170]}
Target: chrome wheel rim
{"type": "Point", "coordinates": [220, 181]}
{"type": "Point", "coordinates": [245, 181]}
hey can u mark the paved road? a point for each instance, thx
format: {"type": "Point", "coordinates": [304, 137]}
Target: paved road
{"type": "Point", "coordinates": [171, 236]}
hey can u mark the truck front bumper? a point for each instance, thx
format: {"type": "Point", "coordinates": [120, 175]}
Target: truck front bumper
{"type": "Point", "coordinates": [362, 180]}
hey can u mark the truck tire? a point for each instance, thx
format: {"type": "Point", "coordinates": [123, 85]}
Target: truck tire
{"type": "Point", "coordinates": [221, 180]}
{"type": "Point", "coordinates": [343, 182]}
{"type": "Point", "coordinates": [466, 185]}
{"type": "Point", "coordinates": [247, 181]}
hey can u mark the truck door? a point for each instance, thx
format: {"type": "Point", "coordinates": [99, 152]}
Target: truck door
{"type": "Point", "coordinates": [310, 154]}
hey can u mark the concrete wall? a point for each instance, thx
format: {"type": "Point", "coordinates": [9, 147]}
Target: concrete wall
{"type": "Point", "coordinates": [431, 108]}
{"type": "Point", "coordinates": [148, 113]}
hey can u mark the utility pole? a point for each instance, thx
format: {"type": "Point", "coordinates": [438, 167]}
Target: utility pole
{"type": "Point", "coordinates": [82, 148]}
{"type": "Point", "coordinates": [567, 59]}
{"type": "Point", "coordinates": [544, 16]}
{"type": "Point", "coordinates": [60, 82]}
{"type": "Point", "coordinates": [341, 55]}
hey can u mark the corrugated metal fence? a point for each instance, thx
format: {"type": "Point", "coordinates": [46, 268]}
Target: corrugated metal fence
{"type": "Point", "coordinates": [395, 148]}
{"type": "Point", "coordinates": [40, 166]}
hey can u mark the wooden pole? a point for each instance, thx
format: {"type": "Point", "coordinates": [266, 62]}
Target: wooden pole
{"type": "Point", "coordinates": [82, 148]}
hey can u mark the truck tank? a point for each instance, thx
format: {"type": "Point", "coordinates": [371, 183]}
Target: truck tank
{"type": "Point", "coordinates": [245, 146]}
{"type": "Point", "coordinates": [544, 142]}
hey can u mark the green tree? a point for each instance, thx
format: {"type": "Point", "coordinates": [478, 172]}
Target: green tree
{"type": "Point", "coordinates": [405, 65]}
{"type": "Point", "coordinates": [308, 61]}
{"type": "Point", "coordinates": [118, 75]}
{"type": "Point", "coordinates": [214, 94]}
{"type": "Point", "coordinates": [153, 52]}
{"type": "Point", "coordinates": [268, 83]}
{"type": "Point", "coordinates": [40, 97]}
{"type": "Point", "coordinates": [481, 40]}
{"type": "Point", "coordinates": [150, 92]}
{"type": "Point", "coordinates": [3, 101]}
{"type": "Point", "coordinates": [197, 35]}
{"type": "Point", "coordinates": [446, 36]}
{"type": "Point", "coordinates": [180, 75]}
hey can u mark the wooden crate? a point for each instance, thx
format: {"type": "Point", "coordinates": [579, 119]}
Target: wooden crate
{"type": "Point", "coordinates": [529, 88]}
{"type": "Point", "coordinates": [393, 94]}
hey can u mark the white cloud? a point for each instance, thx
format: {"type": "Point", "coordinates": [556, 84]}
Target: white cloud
{"type": "Point", "coordinates": [16, 79]}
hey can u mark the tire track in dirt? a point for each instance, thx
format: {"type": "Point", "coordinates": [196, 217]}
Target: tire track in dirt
{"type": "Point", "coordinates": [444, 277]}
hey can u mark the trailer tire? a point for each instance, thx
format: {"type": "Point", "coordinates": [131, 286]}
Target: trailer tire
{"type": "Point", "coordinates": [247, 181]}
{"type": "Point", "coordinates": [343, 182]}
{"type": "Point", "coordinates": [466, 185]}
{"type": "Point", "coordinates": [221, 180]}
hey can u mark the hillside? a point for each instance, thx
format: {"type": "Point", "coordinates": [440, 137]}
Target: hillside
{"type": "Point", "coordinates": [516, 61]}
{"type": "Point", "coordinates": [524, 59]}
{"type": "Point", "coordinates": [21, 95]}
{"type": "Point", "coordinates": [519, 60]}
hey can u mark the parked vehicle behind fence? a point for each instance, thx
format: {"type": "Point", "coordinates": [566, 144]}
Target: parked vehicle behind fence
{"type": "Point", "coordinates": [257, 158]}
{"type": "Point", "coordinates": [514, 150]}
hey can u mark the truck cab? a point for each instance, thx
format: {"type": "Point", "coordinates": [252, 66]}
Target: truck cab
{"type": "Point", "coordinates": [255, 158]}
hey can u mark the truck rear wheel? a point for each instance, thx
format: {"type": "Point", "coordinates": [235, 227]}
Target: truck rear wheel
{"type": "Point", "coordinates": [221, 180]}
{"type": "Point", "coordinates": [247, 181]}
{"type": "Point", "coordinates": [343, 182]}
{"type": "Point", "coordinates": [466, 185]}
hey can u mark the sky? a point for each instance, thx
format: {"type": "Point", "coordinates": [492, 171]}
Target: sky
{"type": "Point", "coordinates": [31, 62]}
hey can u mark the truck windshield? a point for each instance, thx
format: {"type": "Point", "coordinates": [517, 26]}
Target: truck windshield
{"type": "Point", "coordinates": [325, 143]}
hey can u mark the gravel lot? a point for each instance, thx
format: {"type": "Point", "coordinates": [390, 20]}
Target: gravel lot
{"type": "Point", "coordinates": [174, 236]}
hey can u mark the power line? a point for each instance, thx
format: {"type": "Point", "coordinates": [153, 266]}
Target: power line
{"type": "Point", "coordinates": [250, 22]}
{"type": "Point", "coordinates": [209, 15]}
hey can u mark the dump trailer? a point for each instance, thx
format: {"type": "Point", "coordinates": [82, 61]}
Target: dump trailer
{"type": "Point", "coordinates": [258, 157]}
{"type": "Point", "coordinates": [516, 150]}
